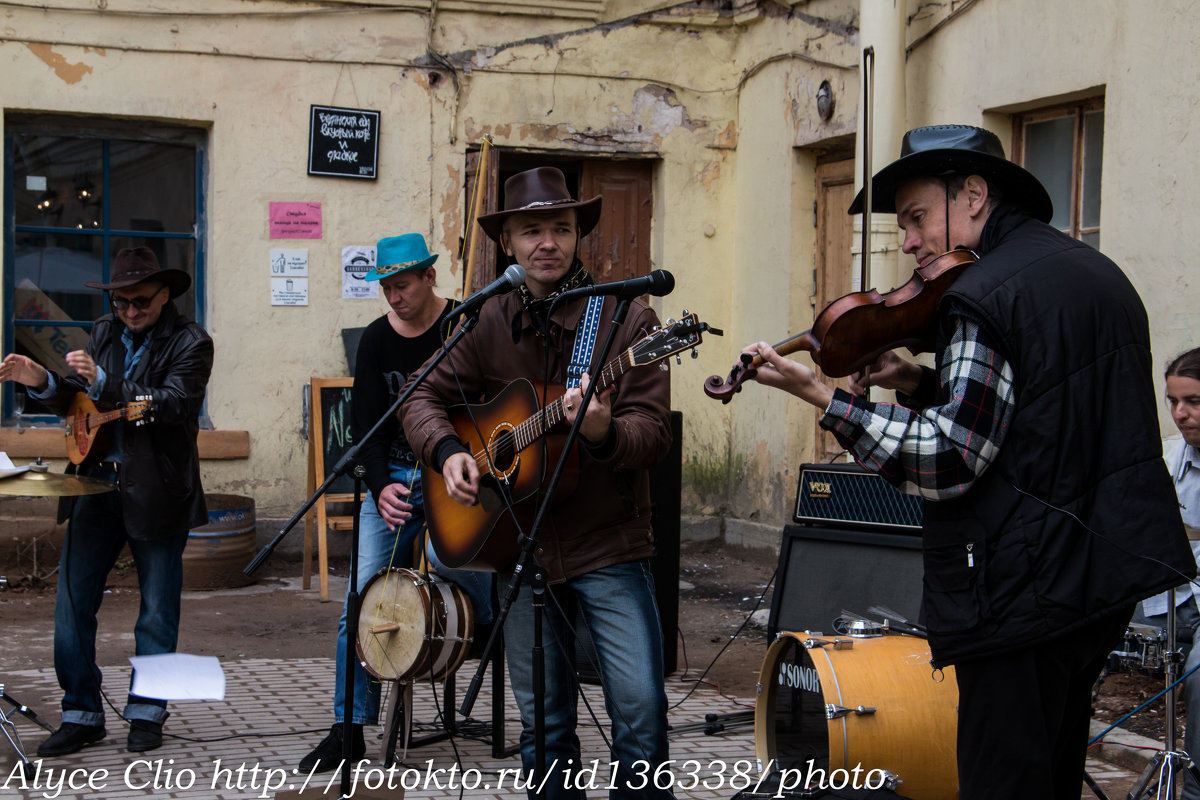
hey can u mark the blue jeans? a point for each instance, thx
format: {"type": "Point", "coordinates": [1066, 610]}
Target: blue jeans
{"type": "Point", "coordinates": [380, 546]}
{"type": "Point", "coordinates": [94, 540]}
{"type": "Point", "coordinates": [617, 604]}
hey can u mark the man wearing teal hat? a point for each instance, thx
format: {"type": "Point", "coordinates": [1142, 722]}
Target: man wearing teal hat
{"type": "Point", "coordinates": [392, 347]}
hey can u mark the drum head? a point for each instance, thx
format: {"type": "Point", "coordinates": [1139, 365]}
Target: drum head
{"type": "Point", "coordinates": [789, 719]}
{"type": "Point", "coordinates": [392, 623]}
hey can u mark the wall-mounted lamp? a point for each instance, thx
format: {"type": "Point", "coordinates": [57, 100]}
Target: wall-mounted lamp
{"type": "Point", "coordinates": [825, 101]}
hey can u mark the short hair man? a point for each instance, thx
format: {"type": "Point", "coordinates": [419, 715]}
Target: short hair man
{"type": "Point", "coordinates": [596, 543]}
{"type": "Point", "coordinates": [144, 348]}
{"type": "Point", "coordinates": [391, 349]}
{"type": "Point", "coordinates": [1035, 441]}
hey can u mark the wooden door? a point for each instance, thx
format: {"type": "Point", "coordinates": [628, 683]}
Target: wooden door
{"type": "Point", "coordinates": [481, 250]}
{"type": "Point", "coordinates": [835, 234]}
{"type": "Point", "coordinates": [619, 247]}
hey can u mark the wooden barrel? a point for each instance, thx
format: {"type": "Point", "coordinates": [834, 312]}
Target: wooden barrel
{"type": "Point", "coordinates": [217, 553]}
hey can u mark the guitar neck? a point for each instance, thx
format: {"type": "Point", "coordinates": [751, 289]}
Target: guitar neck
{"type": "Point", "coordinates": [101, 417]}
{"type": "Point", "coordinates": [536, 426]}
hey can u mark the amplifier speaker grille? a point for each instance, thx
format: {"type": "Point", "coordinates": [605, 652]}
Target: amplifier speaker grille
{"type": "Point", "coordinates": [846, 494]}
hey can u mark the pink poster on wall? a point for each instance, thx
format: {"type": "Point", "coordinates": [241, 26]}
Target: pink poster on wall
{"type": "Point", "coordinates": [295, 220]}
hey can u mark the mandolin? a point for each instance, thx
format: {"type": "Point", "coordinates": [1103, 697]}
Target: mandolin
{"type": "Point", "coordinates": [504, 435]}
{"type": "Point", "coordinates": [85, 424]}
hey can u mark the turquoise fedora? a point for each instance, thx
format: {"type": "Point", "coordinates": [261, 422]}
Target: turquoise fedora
{"type": "Point", "coordinates": [397, 254]}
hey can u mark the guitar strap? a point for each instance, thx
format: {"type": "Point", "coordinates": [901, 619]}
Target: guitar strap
{"type": "Point", "coordinates": [585, 341]}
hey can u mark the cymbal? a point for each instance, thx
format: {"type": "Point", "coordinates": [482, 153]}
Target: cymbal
{"type": "Point", "coordinates": [50, 484]}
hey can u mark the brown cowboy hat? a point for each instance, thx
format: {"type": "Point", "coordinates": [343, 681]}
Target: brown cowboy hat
{"type": "Point", "coordinates": [943, 150]}
{"type": "Point", "coordinates": [133, 265]}
{"type": "Point", "coordinates": [537, 190]}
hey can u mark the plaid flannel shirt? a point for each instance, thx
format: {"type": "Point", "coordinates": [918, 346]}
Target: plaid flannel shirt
{"type": "Point", "coordinates": [947, 433]}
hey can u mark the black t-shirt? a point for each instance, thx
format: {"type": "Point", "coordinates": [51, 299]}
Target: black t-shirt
{"type": "Point", "coordinates": [384, 361]}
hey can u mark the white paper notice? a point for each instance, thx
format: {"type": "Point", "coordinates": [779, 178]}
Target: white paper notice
{"type": "Point", "coordinates": [178, 676]}
{"type": "Point", "coordinates": [289, 263]}
{"type": "Point", "coordinates": [289, 291]}
{"type": "Point", "coordinates": [7, 469]}
{"type": "Point", "coordinates": [357, 260]}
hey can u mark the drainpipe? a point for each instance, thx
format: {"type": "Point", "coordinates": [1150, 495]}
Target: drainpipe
{"type": "Point", "coordinates": [882, 26]}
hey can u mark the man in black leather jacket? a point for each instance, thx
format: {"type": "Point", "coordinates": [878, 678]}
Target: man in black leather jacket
{"type": "Point", "coordinates": [145, 349]}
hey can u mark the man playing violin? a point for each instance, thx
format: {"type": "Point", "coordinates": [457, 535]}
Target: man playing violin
{"type": "Point", "coordinates": [1034, 441]}
{"type": "Point", "coordinates": [595, 543]}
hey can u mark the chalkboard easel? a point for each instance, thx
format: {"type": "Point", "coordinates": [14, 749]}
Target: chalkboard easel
{"type": "Point", "coordinates": [329, 438]}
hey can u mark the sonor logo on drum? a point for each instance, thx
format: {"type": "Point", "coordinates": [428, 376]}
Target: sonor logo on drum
{"type": "Point", "coordinates": [820, 489]}
{"type": "Point", "coordinates": [796, 676]}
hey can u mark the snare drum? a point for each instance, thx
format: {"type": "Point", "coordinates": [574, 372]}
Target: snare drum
{"type": "Point", "coordinates": [411, 626]}
{"type": "Point", "coordinates": [844, 703]}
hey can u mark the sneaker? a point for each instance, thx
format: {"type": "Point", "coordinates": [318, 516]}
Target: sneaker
{"type": "Point", "coordinates": [143, 735]}
{"type": "Point", "coordinates": [328, 754]}
{"type": "Point", "coordinates": [71, 738]}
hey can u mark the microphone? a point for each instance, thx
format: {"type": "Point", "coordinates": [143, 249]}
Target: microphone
{"type": "Point", "coordinates": [513, 277]}
{"type": "Point", "coordinates": [657, 283]}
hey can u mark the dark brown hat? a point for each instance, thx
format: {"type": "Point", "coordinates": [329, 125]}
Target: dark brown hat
{"type": "Point", "coordinates": [943, 150]}
{"type": "Point", "coordinates": [133, 265]}
{"type": "Point", "coordinates": [542, 189]}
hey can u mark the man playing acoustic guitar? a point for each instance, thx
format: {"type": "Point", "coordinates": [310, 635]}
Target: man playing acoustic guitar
{"type": "Point", "coordinates": [144, 349]}
{"type": "Point", "coordinates": [595, 542]}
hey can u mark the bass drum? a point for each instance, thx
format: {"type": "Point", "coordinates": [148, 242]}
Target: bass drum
{"type": "Point", "coordinates": [873, 703]}
{"type": "Point", "coordinates": [412, 627]}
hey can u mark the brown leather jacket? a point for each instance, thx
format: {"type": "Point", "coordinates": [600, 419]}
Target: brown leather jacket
{"type": "Point", "coordinates": [606, 520]}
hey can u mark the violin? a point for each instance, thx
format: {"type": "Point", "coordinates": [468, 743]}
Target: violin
{"type": "Point", "coordinates": [854, 330]}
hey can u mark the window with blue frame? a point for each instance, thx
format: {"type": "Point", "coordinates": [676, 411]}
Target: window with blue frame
{"type": "Point", "coordinates": [77, 192]}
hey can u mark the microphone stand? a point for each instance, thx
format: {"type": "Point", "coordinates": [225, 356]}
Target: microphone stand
{"type": "Point", "coordinates": [537, 579]}
{"type": "Point", "coordinates": [359, 472]}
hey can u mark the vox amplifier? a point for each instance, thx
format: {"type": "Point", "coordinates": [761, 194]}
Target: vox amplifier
{"type": "Point", "coordinates": [848, 495]}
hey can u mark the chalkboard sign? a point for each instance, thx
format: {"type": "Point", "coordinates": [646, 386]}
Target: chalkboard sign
{"type": "Point", "coordinates": [330, 436]}
{"type": "Point", "coordinates": [343, 142]}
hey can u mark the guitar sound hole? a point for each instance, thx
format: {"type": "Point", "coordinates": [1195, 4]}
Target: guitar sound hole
{"type": "Point", "coordinates": [502, 451]}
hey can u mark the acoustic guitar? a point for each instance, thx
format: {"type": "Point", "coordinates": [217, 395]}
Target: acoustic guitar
{"type": "Point", "coordinates": [505, 435]}
{"type": "Point", "coordinates": [86, 433]}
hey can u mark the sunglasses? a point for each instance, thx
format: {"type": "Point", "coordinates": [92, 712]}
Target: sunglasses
{"type": "Point", "coordinates": [140, 303]}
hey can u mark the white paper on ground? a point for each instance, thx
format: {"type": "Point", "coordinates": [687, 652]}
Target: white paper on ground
{"type": "Point", "coordinates": [178, 676]}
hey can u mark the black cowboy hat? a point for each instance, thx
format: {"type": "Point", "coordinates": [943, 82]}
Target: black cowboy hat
{"type": "Point", "coordinates": [133, 265]}
{"type": "Point", "coordinates": [940, 150]}
{"type": "Point", "coordinates": [541, 189]}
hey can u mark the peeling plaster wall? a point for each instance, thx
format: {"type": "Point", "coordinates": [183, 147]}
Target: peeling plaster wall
{"type": "Point", "coordinates": [720, 105]}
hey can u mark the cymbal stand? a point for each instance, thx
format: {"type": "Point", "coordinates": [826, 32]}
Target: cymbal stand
{"type": "Point", "coordinates": [9, 729]}
{"type": "Point", "coordinates": [1166, 768]}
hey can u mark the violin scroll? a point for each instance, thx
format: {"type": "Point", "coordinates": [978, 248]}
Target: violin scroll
{"type": "Point", "coordinates": [724, 390]}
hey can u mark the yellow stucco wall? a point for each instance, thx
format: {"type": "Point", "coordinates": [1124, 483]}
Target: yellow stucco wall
{"type": "Point", "coordinates": [724, 103]}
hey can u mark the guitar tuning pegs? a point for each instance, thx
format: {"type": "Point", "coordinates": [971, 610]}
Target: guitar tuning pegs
{"type": "Point", "coordinates": [678, 358]}
{"type": "Point", "coordinates": [670, 321]}
{"type": "Point", "coordinates": [695, 354]}
{"type": "Point", "coordinates": [662, 365]}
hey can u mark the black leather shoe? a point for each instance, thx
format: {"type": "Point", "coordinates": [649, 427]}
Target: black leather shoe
{"type": "Point", "coordinates": [328, 754]}
{"type": "Point", "coordinates": [143, 735]}
{"type": "Point", "coordinates": [71, 738]}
